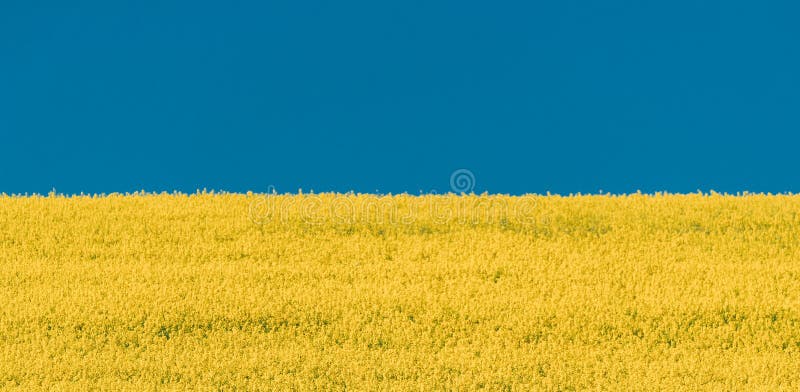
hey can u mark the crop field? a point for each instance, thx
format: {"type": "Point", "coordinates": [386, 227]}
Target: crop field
{"type": "Point", "coordinates": [364, 292]}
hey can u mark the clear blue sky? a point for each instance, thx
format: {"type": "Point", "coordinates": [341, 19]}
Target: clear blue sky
{"type": "Point", "coordinates": [560, 96]}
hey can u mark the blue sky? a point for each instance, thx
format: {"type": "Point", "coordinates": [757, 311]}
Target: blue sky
{"type": "Point", "coordinates": [563, 96]}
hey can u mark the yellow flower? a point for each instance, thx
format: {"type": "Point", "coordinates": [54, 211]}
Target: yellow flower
{"type": "Point", "coordinates": [365, 292]}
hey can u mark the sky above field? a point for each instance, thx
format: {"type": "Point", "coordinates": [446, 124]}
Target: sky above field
{"type": "Point", "coordinates": [394, 96]}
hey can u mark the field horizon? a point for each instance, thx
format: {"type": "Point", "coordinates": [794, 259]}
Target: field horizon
{"type": "Point", "coordinates": [300, 192]}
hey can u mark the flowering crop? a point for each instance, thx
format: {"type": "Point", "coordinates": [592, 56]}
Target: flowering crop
{"type": "Point", "coordinates": [365, 292]}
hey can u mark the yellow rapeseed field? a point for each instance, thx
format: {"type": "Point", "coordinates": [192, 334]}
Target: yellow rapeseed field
{"type": "Point", "coordinates": [364, 292]}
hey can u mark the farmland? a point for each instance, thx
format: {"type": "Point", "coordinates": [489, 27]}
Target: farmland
{"type": "Point", "coordinates": [364, 292]}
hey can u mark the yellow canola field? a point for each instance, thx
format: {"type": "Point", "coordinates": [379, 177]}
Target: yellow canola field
{"type": "Point", "coordinates": [364, 292]}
